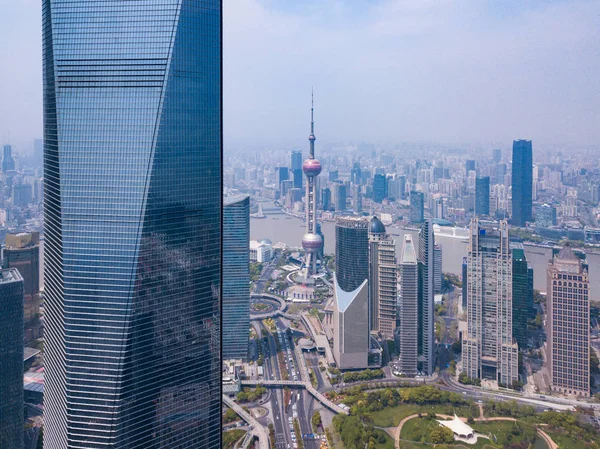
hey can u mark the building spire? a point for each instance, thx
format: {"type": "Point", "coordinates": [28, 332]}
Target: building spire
{"type": "Point", "coordinates": [312, 137]}
{"type": "Point", "coordinates": [312, 110]}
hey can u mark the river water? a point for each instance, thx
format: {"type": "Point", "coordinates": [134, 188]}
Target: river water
{"type": "Point", "coordinates": [289, 230]}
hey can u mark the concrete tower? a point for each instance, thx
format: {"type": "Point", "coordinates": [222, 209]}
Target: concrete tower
{"type": "Point", "coordinates": [311, 242]}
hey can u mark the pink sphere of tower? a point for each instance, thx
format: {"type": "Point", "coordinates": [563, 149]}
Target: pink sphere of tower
{"type": "Point", "coordinates": [311, 167]}
{"type": "Point", "coordinates": [312, 243]}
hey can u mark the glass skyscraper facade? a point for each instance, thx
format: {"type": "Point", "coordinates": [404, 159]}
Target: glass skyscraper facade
{"type": "Point", "coordinates": [522, 182]}
{"type": "Point", "coordinates": [482, 195]}
{"type": "Point", "coordinates": [133, 211]}
{"type": "Point", "coordinates": [522, 294]}
{"type": "Point", "coordinates": [236, 277]}
{"type": "Point", "coordinates": [351, 252]}
{"type": "Point", "coordinates": [11, 359]}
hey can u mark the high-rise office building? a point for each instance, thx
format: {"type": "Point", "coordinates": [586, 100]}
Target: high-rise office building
{"type": "Point", "coordinates": [22, 194]}
{"type": "Point", "coordinates": [383, 274]}
{"type": "Point", "coordinates": [568, 324]}
{"type": "Point", "coordinates": [11, 359]}
{"type": "Point", "coordinates": [500, 173]}
{"type": "Point", "coordinates": [522, 293]}
{"type": "Point", "coordinates": [464, 284]}
{"type": "Point", "coordinates": [401, 187]}
{"type": "Point", "coordinates": [355, 174]}
{"type": "Point", "coordinates": [8, 162]}
{"type": "Point", "coordinates": [351, 252]}
{"type": "Point", "coordinates": [236, 277]}
{"type": "Point", "coordinates": [379, 188]}
{"type": "Point", "coordinates": [482, 195]}
{"type": "Point", "coordinates": [522, 182]}
{"type": "Point", "coordinates": [469, 166]}
{"type": "Point", "coordinates": [351, 326]}
{"type": "Point", "coordinates": [357, 199]}
{"type": "Point", "coordinates": [497, 155]}
{"type": "Point", "coordinates": [417, 206]}
{"type": "Point", "coordinates": [22, 251]}
{"type": "Point", "coordinates": [426, 319]}
{"type": "Point", "coordinates": [281, 174]}
{"type": "Point", "coordinates": [408, 310]}
{"type": "Point", "coordinates": [489, 350]}
{"type": "Point", "coordinates": [340, 198]}
{"type": "Point", "coordinates": [333, 175]}
{"type": "Point", "coordinates": [296, 167]}
{"type": "Point", "coordinates": [326, 198]}
{"type": "Point", "coordinates": [438, 275]}
{"type": "Point", "coordinates": [133, 210]}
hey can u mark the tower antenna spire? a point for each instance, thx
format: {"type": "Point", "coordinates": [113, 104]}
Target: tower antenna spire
{"type": "Point", "coordinates": [312, 110]}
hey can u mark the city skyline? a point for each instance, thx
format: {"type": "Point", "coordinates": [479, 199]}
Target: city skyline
{"type": "Point", "coordinates": [486, 99]}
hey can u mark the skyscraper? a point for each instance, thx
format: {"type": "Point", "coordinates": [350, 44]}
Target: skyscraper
{"type": "Point", "coordinates": [22, 251]}
{"type": "Point", "coordinates": [469, 165]}
{"type": "Point", "coordinates": [236, 277]}
{"type": "Point", "coordinates": [296, 167]}
{"type": "Point", "coordinates": [356, 199]}
{"type": "Point", "coordinates": [8, 163]}
{"type": "Point", "coordinates": [11, 359]}
{"type": "Point", "coordinates": [355, 174]}
{"type": "Point", "coordinates": [568, 324]}
{"type": "Point", "coordinates": [383, 292]}
{"type": "Point", "coordinates": [133, 210]}
{"type": "Point", "coordinates": [281, 174]}
{"type": "Point", "coordinates": [417, 205]}
{"type": "Point", "coordinates": [351, 251]}
{"type": "Point", "coordinates": [341, 198]}
{"type": "Point", "coordinates": [522, 182]}
{"type": "Point", "coordinates": [497, 155]}
{"type": "Point", "coordinates": [489, 350]}
{"type": "Point", "coordinates": [482, 195]}
{"type": "Point", "coordinates": [326, 198]}
{"type": "Point", "coordinates": [408, 310]}
{"type": "Point", "coordinates": [522, 293]}
{"type": "Point", "coordinates": [426, 319]}
{"type": "Point", "coordinates": [379, 188]}
{"type": "Point", "coordinates": [351, 326]}
{"type": "Point", "coordinates": [312, 242]}
{"type": "Point", "coordinates": [438, 275]}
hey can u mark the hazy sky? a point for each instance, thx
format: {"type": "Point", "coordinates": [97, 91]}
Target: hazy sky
{"type": "Point", "coordinates": [383, 71]}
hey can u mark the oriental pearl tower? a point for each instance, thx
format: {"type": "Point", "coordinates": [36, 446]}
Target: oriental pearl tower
{"type": "Point", "coordinates": [311, 242]}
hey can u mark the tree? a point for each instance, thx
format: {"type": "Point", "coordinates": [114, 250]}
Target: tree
{"type": "Point", "coordinates": [316, 421]}
{"type": "Point", "coordinates": [594, 363]}
{"type": "Point", "coordinates": [441, 435]}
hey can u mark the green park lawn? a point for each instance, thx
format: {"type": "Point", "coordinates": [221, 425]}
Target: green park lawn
{"type": "Point", "coordinates": [415, 435]}
{"type": "Point", "coordinates": [391, 416]}
{"type": "Point", "coordinates": [565, 441]}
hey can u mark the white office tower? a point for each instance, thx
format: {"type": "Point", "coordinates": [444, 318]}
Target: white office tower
{"type": "Point", "coordinates": [351, 326]}
{"type": "Point", "coordinates": [408, 308]}
{"type": "Point", "coordinates": [489, 350]}
{"type": "Point", "coordinates": [383, 274]}
{"type": "Point", "coordinates": [568, 324]}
